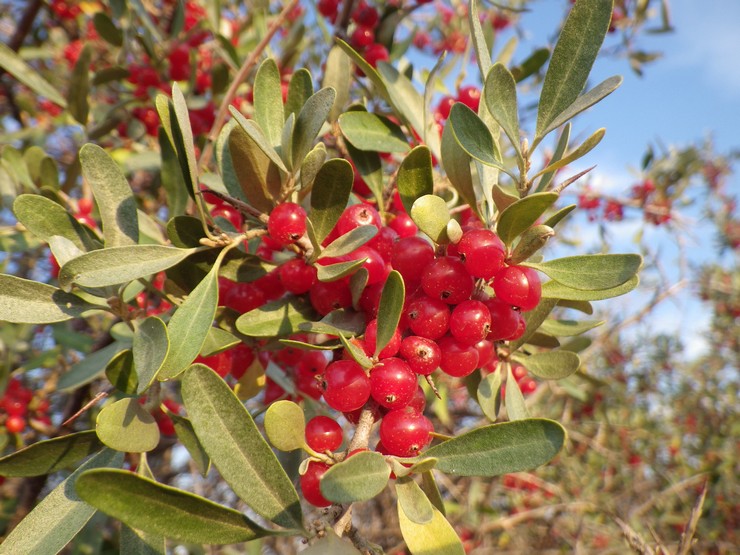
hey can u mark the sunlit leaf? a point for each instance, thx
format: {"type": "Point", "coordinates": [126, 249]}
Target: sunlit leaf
{"type": "Point", "coordinates": [358, 478]}
{"type": "Point", "coordinates": [553, 365]}
{"type": "Point", "coordinates": [368, 131]}
{"type": "Point", "coordinates": [285, 425]}
{"type": "Point", "coordinates": [27, 301]}
{"type": "Point", "coordinates": [389, 310]}
{"type": "Point", "coordinates": [591, 272]}
{"type": "Point", "coordinates": [517, 217]}
{"type": "Point", "coordinates": [45, 457]}
{"type": "Point", "coordinates": [126, 426]}
{"type": "Point", "coordinates": [415, 178]}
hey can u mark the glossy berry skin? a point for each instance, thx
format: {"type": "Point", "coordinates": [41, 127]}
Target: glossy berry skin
{"type": "Point", "coordinates": [428, 317]}
{"type": "Point", "coordinates": [310, 484]}
{"type": "Point", "coordinates": [422, 355]}
{"type": "Point", "coordinates": [362, 37]}
{"type": "Point", "coordinates": [328, 296]}
{"type": "Point", "coordinates": [470, 96]}
{"type": "Point", "coordinates": [482, 252]}
{"type": "Point", "coordinates": [371, 336]}
{"type": "Point", "coordinates": [244, 297]}
{"type": "Point", "coordinates": [392, 383]}
{"type": "Point", "coordinates": [346, 386]}
{"type": "Point", "coordinates": [405, 432]}
{"type": "Point", "coordinates": [323, 434]}
{"type": "Point", "coordinates": [504, 319]}
{"type": "Point", "coordinates": [356, 215]}
{"type": "Point", "coordinates": [458, 360]}
{"type": "Point", "coordinates": [418, 401]}
{"type": "Point", "coordinates": [287, 223]}
{"type": "Point", "coordinates": [404, 225]}
{"type": "Point", "coordinates": [296, 276]}
{"type": "Point", "coordinates": [383, 242]}
{"type": "Point", "coordinates": [410, 255]}
{"type": "Point", "coordinates": [447, 279]}
{"type": "Point", "coordinates": [15, 424]}
{"type": "Point", "coordinates": [377, 269]}
{"type": "Point", "coordinates": [519, 286]}
{"type": "Point", "coordinates": [470, 322]}
{"type": "Point", "coordinates": [376, 53]}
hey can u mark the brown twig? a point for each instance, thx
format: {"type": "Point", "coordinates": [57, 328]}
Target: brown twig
{"type": "Point", "coordinates": [688, 535]}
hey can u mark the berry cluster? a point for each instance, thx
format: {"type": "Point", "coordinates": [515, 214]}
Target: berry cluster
{"type": "Point", "coordinates": [365, 22]}
{"type": "Point", "coordinates": [19, 406]}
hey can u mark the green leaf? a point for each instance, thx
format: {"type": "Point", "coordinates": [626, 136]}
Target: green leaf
{"type": "Point", "coordinates": [584, 148]}
{"type": "Point", "coordinates": [473, 135]}
{"type": "Point", "coordinates": [217, 341]}
{"type": "Point", "coordinates": [309, 122]}
{"type": "Point", "coordinates": [186, 435]}
{"type": "Point", "coordinates": [151, 345]}
{"type": "Point", "coordinates": [331, 190]}
{"type": "Point", "coordinates": [121, 372]}
{"type": "Point", "coordinates": [533, 319]}
{"type": "Point", "coordinates": [515, 219]}
{"type": "Point", "coordinates": [575, 52]}
{"type": "Point", "coordinates": [23, 301]}
{"type": "Point", "coordinates": [90, 367]}
{"type": "Point", "coordinates": [79, 87]}
{"type": "Point", "coordinates": [553, 365]}
{"type": "Point", "coordinates": [585, 101]}
{"type": "Point", "coordinates": [58, 517]}
{"type": "Point", "coordinates": [502, 102]}
{"type": "Point", "coordinates": [431, 214]}
{"type": "Point", "coordinates": [554, 290]}
{"type": "Point", "coordinates": [285, 425]}
{"type": "Point", "coordinates": [389, 310]}
{"type": "Point", "coordinates": [408, 102]}
{"type": "Point", "coordinates": [337, 69]}
{"type": "Point", "coordinates": [189, 325]}
{"type": "Point", "coordinates": [115, 265]}
{"type": "Point", "coordinates": [516, 409]}
{"type": "Point", "coordinates": [333, 272]}
{"type": "Point", "coordinates": [366, 68]}
{"type": "Point", "coordinates": [415, 177]}
{"type": "Point", "coordinates": [367, 131]}
{"type": "Point", "coordinates": [560, 147]}
{"type": "Point", "coordinates": [591, 272]}
{"type": "Point", "coordinates": [356, 352]}
{"type": "Point", "coordinates": [488, 395]}
{"type": "Point", "coordinates": [531, 241]}
{"type": "Point", "coordinates": [274, 319]}
{"type": "Point", "coordinates": [413, 501]}
{"type": "Point", "coordinates": [15, 66]}
{"type": "Point", "coordinates": [569, 328]}
{"type": "Point", "coordinates": [162, 510]}
{"type": "Point", "coordinates": [268, 101]}
{"type": "Point", "coordinates": [456, 164]}
{"type": "Point", "coordinates": [349, 242]}
{"type": "Point", "coordinates": [45, 457]}
{"type": "Point", "coordinates": [331, 544]}
{"type": "Point", "coordinates": [46, 219]}
{"type": "Point", "coordinates": [531, 64]}
{"type": "Point", "coordinates": [482, 49]}
{"type": "Point", "coordinates": [310, 167]}
{"type": "Point", "coordinates": [126, 426]}
{"type": "Point", "coordinates": [134, 542]}
{"type": "Point", "coordinates": [370, 168]}
{"type": "Point", "coordinates": [113, 195]}
{"type": "Point", "coordinates": [340, 321]}
{"type": "Point", "coordinates": [358, 478]}
{"type": "Point", "coordinates": [500, 448]}
{"type": "Point", "coordinates": [558, 216]}
{"type": "Point", "coordinates": [183, 138]}
{"type": "Point", "coordinates": [300, 90]}
{"type": "Point", "coordinates": [108, 31]}
{"type": "Point", "coordinates": [436, 537]}
{"type": "Point", "coordinates": [237, 449]}
{"type": "Point", "coordinates": [171, 176]}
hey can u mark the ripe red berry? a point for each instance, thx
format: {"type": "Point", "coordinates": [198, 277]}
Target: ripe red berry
{"type": "Point", "coordinates": [383, 242]}
{"type": "Point", "coordinates": [310, 484]}
{"type": "Point", "coordinates": [470, 322]}
{"type": "Point", "coordinates": [371, 335]}
{"type": "Point", "coordinates": [428, 317]}
{"type": "Point", "coordinates": [15, 424]}
{"type": "Point", "coordinates": [392, 383]}
{"type": "Point", "coordinates": [296, 276]}
{"type": "Point", "coordinates": [470, 96]}
{"type": "Point", "coordinates": [328, 8]}
{"type": "Point", "coordinates": [244, 297]}
{"type": "Point", "coordinates": [323, 434]}
{"type": "Point", "coordinates": [444, 107]}
{"type": "Point", "coordinates": [356, 215]}
{"type": "Point", "coordinates": [458, 360]}
{"type": "Point", "coordinates": [404, 225]}
{"type": "Point", "coordinates": [410, 255]}
{"type": "Point", "coordinates": [447, 279]}
{"type": "Point", "coordinates": [482, 252]}
{"type": "Point", "coordinates": [504, 319]}
{"type": "Point", "coordinates": [287, 223]}
{"type": "Point", "coordinates": [422, 355]}
{"type": "Point", "coordinates": [365, 15]}
{"type": "Point", "coordinates": [376, 53]}
{"type": "Point", "coordinates": [346, 386]}
{"type": "Point", "coordinates": [377, 269]}
{"type": "Point", "coordinates": [519, 286]}
{"type": "Point", "coordinates": [221, 363]}
{"type": "Point", "coordinates": [405, 432]}
{"type": "Point", "coordinates": [418, 401]}
{"type": "Point", "coordinates": [328, 296]}
{"type": "Point", "coordinates": [362, 37]}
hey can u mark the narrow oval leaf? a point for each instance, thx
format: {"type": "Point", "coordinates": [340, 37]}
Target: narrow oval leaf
{"type": "Point", "coordinates": [257, 135]}
{"type": "Point", "coordinates": [553, 365]}
{"type": "Point", "coordinates": [413, 501]}
{"type": "Point", "coordinates": [331, 190]}
{"type": "Point", "coordinates": [309, 122]}
{"type": "Point", "coordinates": [51, 455]}
{"type": "Point", "coordinates": [436, 537]}
{"type": "Point", "coordinates": [575, 52]}
{"type": "Point", "coordinates": [584, 148]}
{"type": "Point", "coordinates": [482, 49]}
{"type": "Point", "coordinates": [186, 435]}
{"type": "Point", "coordinates": [105, 27]}
{"type": "Point", "coordinates": [253, 168]}
{"type": "Point", "coordinates": [368, 131]}
{"type": "Point", "coordinates": [274, 319]}
{"type": "Point", "coordinates": [183, 138]}
{"type": "Point", "coordinates": [268, 101]}
{"type": "Point", "coordinates": [350, 241]}
{"type": "Point", "coordinates": [126, 426]}
{"type": "Point", "coordinates": [591, 272]}
{"type": "Point", "coordinates": [404, 97]}
{"type": "Point", "coordinates": [560, 147]}
{"type": "Point", "coordinates": [358, 478]}
{"type": "Point", "coordinates": [501, 101]}
{"type": "Point", "coordinates": [415, 178]}
{"type": "Point", "coordinates": [59, 516]}
{"type": "Point", "coordinates": [333, 272]}
{"type": "Point", "coordinates": [24, 301]}
{"type": "Point", "coordinates": [516, 408]}
{"type": "Point", "coordinates": [523, 213]}
{"type": "Point", "coordinates": [555, 290]}
{"type": "Point", "coordinates": [285, 425]}
{"type": "Point", "coordinates": [121, 372]}
{"type": "Point", "coordinates": [300, 90]}
{"type": "Point", "coordinates": [456, 163]}
{"type": "Point", "coordinates": [431, 214]}
{"type": "Point", "coordinates": [569, 328]}
{"type": "Point", "coordinates": [337, 69]}
{"type": "Point", "coordinates": [113, 195]}
{"type": "Point", "coordinates": [45, 219]}
{"type": "Point", "coordinates": [340, 321]}
{"type": "Point", "coordinates": [15, 66]}
{"type": "Point", "coordinates": [558, 216]}
{"type": "Point", "coordinates": [151, 345]}
{"type": "Point", "coordinates": [79, 87]}
{"type": "Point", "coordinates": [366, 69]}
{"type": "Point", "coordinates": [189, 325]}
{"type": "Point", "coordinates": [236, 447]}
{"type": "Point", "coordinates": [90, 367]}
{"type": "Point", "coordinates": [136, 542]}
{"type": "Point", "coordinates": [500, 448]}
{"type": "Point", "coordinates": [115, 265]}
{"type": "Point", "coordinates": [389, 309]}
{"type": "Point", "coordinates": [488, 395]}
{"type": "Point", "coordinates": [154, 508]}
{"type": "Point", "coordinates": [310, 168]}
{"type": "Point", "coordinates": [473, 136]}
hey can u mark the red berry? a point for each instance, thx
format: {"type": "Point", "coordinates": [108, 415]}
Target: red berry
{"type": "Point", "coordinates": [328, 8]}
{"type": "Point", "coordinates": [323, 434]}
{"type": "Point", "coordinates": [470, 96]}
{"type": "Point", "coordinates": [428, 317]}
{"type": "Point", "coordinates": [444, 107]}
{"type": "Point", "coordinates": [287, 223]}
{"type": "Point", "coordinates": [377, 269]}
{"type": "Point", "coordinates": [376, 53]}
{"type": "Point", "coordinates": [221, 363]}
{"type": "Point", "coordinates": [371, 334]}
{"type": "Point", "coordinates": [404, 225]}
{"type": "Point", "coordinates": [242, 358]}
{"type": "Point", "coordinates": [410, 255]}
{"type": "Point", "coordinates": [365, 15]}
{"type": "Point", "coordinates": [458, 360]}
{"type": "Point", "coordinates": [447, 279]}
{"type": "Point", "coordinates": [418, 401]}
{"type": "Point", "coordinates": [519, 286]}
{"type": "Point", "coordinates": [296, 276]}
{"type": "Point", "coordinates": [15, 424]}
{"type": "Point", "coordinates": [392, 383]}
{"type": "Point", "coordinates": [356, 215]}
{"type": "Point", "coordinates": [244, 297]}
{"type": "Point", "coordinates": [486, 352]}
{"type": "Point", "coordinates": [346, 386]}
{"type": "Point", "coordinates": [470, 322]}
{"type": "Point", "coordinates": [423, 355]}
{"type": "Point", "coordinates": [384, 241]}
{"type": "Point", "coordinates": [328, 296]}
{"type": "Point", "coordinates": [362, 37]}
{"type": "Point", "coordinates": [310, 484]}
{"type": "Point", "coordinates": [504, 319]}
{"type": "Point", "coordinates": [482, 252]}
{"type": "Point", "coordinates": [405, 432]}
{"type": "Point", "coordinates": [230, 214]}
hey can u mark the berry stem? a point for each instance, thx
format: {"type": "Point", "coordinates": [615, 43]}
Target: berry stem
{"type": "Point", "coordinates": [361, 437]}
